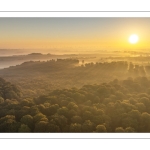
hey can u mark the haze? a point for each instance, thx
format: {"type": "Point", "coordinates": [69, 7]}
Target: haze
{"type": "Point", "coordinates": [73, 34]}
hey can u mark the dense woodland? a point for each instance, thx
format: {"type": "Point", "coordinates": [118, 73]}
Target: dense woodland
{"type": "Point", "coordinates": [39, 77]}
{"type": "Point", "coordinates": [118, 105]}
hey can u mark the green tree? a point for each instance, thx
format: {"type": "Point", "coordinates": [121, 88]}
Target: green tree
{"type": "Point", "coordinates": [24, 128]}
{"type": "Point", "coordinates": [1, 100]}
{"type": "Point", "coordinates": [41, 126]}
{"type": "Point", "coordinates": [145, 122]}
{"type": "Point", "coordinates": [63, 111]}
{"type": "Point", "coordinates": [9, 124]}
{"type": "Point", "coordinates": [75, 127]}
{"type": "Point", "coordinates": [97, 119]}
{"type": "Point", "coordinates": [87, 126]}
{"type": "Point", "coordinates": [101, 128]}
{"type": "Point", "coordinates": [39, 117]}
{"type": "Point", "coordinates": [129, 129]}
{"type": "Point", "coordinates": [59, 120]}
{"type": "Point", "coordinates": [76, 119]}
{"type": "Point", "coordinates": [27, 120]}
{"type": "Point", "coordinates": [72, 105]}
{"type": "Point", "coordinates": [119, 129]}
{"type": "Point", "coordinates": [141, 107]}
{"type": "Point", "coordinates": [87, 115]}
{"type": "Point", "coordinates": [52, 127]}
{"type": "Point", "coordinates": [71, 113]}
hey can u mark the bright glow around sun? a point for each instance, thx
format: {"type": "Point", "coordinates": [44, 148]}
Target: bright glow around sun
{"type": "Point", "coordinates": [133, 39]}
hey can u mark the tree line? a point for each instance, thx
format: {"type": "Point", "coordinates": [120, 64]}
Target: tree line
{"type": "Point", "coordinates": [39, 77]}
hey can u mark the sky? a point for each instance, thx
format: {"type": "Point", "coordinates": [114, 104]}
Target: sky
{"type": "Point", "coordinates": [74, 33]}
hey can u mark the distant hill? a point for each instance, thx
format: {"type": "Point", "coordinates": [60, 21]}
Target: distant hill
{"type": "Point", "coordinates": [6, 61]}
{"type": "Point", "coordinates": [35, 54]}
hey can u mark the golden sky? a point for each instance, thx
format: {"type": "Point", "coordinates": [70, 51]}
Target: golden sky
{"type": "Point", "coordinates": [73, 33]}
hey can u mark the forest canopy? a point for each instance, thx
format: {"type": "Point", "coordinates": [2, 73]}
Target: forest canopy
{"type": "Point", "coordinates": [39, 77]}
{"type": "Point", "coordinates": [117, 106]}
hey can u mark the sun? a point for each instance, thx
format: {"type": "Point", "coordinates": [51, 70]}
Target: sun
{"type": "Point", "coordinates": [133, 39]}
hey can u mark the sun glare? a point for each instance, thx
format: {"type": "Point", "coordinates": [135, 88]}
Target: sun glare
{"type": "Point", "coordinates": [133, 39]}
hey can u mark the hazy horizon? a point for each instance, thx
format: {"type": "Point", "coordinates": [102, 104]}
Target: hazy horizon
{"type": "Point", "coordinates": [73, 34]}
